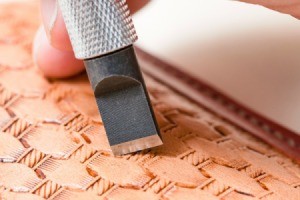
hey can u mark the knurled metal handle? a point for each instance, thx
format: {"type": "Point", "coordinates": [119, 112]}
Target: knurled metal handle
{"type": "Point", "coordinates": [97, 27]}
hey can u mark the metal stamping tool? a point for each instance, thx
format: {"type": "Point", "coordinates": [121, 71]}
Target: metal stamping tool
{"type": "Point", "coordinates": [102, 34]}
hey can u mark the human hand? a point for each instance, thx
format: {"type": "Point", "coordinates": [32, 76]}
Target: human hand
{"type": "Point", "coordinates": [291, 7]}
{"type": "Point", "coordinates": [53, 51]}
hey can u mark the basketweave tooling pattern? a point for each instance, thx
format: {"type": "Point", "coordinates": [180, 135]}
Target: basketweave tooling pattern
{"type": "Point", "coordinates": [53, 145]}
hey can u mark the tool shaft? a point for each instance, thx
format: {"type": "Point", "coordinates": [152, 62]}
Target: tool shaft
{"type": "Point", "coordinates": [102, 34]}
{"type": "Point", "coordinates": [97, 27]}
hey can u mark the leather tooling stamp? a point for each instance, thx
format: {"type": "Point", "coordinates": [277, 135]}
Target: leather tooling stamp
{"type": "Point", "coordinates": [52, 147]}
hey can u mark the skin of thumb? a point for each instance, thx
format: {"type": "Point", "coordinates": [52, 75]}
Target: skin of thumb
{"type": "Point", "coordinates": [54, 25]}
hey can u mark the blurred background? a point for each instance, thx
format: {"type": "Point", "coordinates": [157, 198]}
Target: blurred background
{"type": "Point", "coordinates": [249, 52]}
{"type": "Point", "coordinates": [246, 51]}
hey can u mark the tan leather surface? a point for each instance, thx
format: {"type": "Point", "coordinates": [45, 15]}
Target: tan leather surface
{"type": "Point", "coordinates": [53, 144]}
{"type": "Point", "coordinates": [204, 95]}
{"type": "Point", "coordinates": [248, 52]}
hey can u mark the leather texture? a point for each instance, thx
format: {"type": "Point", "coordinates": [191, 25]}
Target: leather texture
{"type": "Point", "coordinates": [205, 95]}
{"type": "Point", "coordinates": [53, 144]}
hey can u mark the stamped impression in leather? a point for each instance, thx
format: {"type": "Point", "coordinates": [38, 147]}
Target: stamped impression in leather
{"type": "Point", "coordinates": [53, 146]}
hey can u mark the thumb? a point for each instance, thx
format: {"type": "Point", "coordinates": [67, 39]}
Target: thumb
{"type": "Point", "coordinates": [291, 7]}
{"type": "Point", "coordinates": [54, 25]}
{"type": "Point", "coordinates": [52, 49]}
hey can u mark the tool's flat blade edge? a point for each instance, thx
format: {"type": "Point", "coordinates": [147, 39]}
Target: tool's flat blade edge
{"type": "Point", "coordinates": [137, 145]}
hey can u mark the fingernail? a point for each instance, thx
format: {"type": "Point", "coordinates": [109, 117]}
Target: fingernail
{"type": "Point", "coordinates": [49, 15]}
{"type": "Point", "coordinates": [37, 43]}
